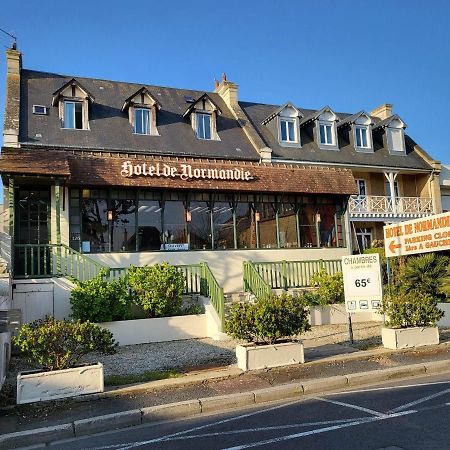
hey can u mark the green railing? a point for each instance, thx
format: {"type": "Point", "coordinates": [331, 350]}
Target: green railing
{"type": "Point", "coordinates": [294, 274]}
{"type": "Point", "coordinates": [53, 260]}
{"type": "Point", "coordinates": [210, 288]}
{"type": "Point", "coordinates": [254, 282]}
{"type": "Point", "coordinates": [192, 274]}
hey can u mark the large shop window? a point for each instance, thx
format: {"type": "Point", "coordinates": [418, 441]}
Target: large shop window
{"type": "Point", "coordinates": [126, 220]}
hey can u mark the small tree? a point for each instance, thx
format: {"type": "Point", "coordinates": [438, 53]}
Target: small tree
{"type": "Point", "coordinates": [59, 344]}
{"type": "Point", "coordinates": [330, 288]}
{"type": "Point", "coordinates": [269, 319]}
{"type": "Point", "coordinates": [101, 300]}
{"type": "Point", "coordinates": [413, 309]}
{"type": "Point", "coordinates": [158, 289]}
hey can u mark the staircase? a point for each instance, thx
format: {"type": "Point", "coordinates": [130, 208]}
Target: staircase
{"type": "Point", "coordinates": [236, 297]}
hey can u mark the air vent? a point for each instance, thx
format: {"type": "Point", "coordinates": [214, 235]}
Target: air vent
{"type": "Point", "coordinates": [189, 99]}
{"type": "Point", "coordinates": [40, 110]}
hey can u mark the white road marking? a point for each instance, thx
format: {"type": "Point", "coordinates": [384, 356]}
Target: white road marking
{"type": "Point", "coordinates": [350, 405]}
{"type": "Point", "coordinates": [319, 431]}
{"type": "Point", "coordinates": [419, 401]}
{"type": "Point", "coordinates": [201, 427]}
{"type": "Point", "coordinates": [386, 388]}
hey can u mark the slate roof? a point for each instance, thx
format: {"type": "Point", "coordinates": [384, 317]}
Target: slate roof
{"type": "Point", "coordinates": [110, 128]}
{"type": "Point", "coordinates": [310, 152]}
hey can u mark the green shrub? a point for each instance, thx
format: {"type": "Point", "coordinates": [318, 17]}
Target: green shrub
{"type": "Point", "coordinates": [412, 309]}
{"type": "Point", "coordinates": [101, 300]}
{"type": "Point", "coordinates": [269, 319]}
{"type": "Point", "coordinates": [330, 288]}
{"type": "Point", "coordinates": [157, 289]}
{"type": "Point", "coordinates": [59, 344]}
{"type": "Point", "coordinates": [425, 274]}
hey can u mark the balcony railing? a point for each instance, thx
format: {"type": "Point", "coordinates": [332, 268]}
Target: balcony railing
{"type": "Point", "coordinates": [377, 205]}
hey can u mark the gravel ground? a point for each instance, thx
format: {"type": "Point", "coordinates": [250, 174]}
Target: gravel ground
{"type": "Point", "coordinates": [194, 353]}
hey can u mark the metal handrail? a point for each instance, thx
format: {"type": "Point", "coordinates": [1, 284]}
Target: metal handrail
{"type": "Point", "coordinates": [254, 282]}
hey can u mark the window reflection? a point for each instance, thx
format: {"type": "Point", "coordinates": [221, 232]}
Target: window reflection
{"type": "Point", "coordinates": [308, 235]}
{"type": "Point", "coordinates": [200, 226]}
{"type": "Point", "coordinates": [150, 229]}
{"type": "Point", "coordinates": [222, 215]}
{"type": "Point", "coordinates": [327, 226]}
{"type": "Point", "coordinates": [174, 226]}
{"type": "Point", "coordinates": [245, 226]}
{"type": "Point", "coordinates": [287, 225]}
{"type": "Point", "coordinates": [94, 232]}
{"type": "Point", "coordinates": [267, 226]}
{"type": "Point", "coordinates": [123, 225]}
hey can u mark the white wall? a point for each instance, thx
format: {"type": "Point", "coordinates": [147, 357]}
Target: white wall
{"type": "Point", "coordinates": [40, 297]}
{"type": "Point", "coordinates": [226, 265]}
{"type": "Point", "coordinates": [5, 338]}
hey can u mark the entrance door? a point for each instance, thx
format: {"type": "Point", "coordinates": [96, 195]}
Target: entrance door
{"type": "Point", "coordinates": [32, 226]}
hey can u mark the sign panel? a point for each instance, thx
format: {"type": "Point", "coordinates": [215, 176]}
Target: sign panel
{"type": "Point", "coordinates": [363, 285]}
{"type": "Point", "coordinates": [428, 234]}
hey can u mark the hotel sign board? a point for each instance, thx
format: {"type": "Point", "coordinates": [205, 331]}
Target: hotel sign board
{"type": "Point", "coordinates": [427, 234]}
{"type": "Point", "coordinates": [184, 171]}
{"type": "Point", "coordinates": [363, 286]}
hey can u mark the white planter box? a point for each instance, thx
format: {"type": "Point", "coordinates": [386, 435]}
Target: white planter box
{"type": "Point", "coordinates": [397, 338]}
{"type": "Point", "coordinates": [142, 331]}
{"type": "Point", "coordinates": [336, 314]}
{"type": "Point", "coordinates": [41, 386]}
{"type": "Point", "coordinates": [445, 321]}
{"type": "Point", "coordinates": [253, 357]}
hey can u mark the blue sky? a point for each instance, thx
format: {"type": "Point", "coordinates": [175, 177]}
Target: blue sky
{"type": "Point", "coordinates": [350, 55]}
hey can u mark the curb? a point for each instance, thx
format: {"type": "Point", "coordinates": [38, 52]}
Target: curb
{"type": "Point", "coordinates": [190, 408]}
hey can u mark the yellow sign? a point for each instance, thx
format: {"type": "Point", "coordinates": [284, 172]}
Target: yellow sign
{"type": "Point", "coordinates": [428, 234]}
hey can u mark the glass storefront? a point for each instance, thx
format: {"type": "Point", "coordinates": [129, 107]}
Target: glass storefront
{"type": "Point", "coordinates": [129, 220]}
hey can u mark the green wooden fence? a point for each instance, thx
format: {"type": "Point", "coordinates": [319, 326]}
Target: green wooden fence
{"type": "Point", "coordinates": [55, 260]}
{"type": "Point", "coordinates": [293, 274]}
{"type": "Point", "coordinates": [254, 282]}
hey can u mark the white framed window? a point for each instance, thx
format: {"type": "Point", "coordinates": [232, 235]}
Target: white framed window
{"type": "Point", "coordinates": [364, 238]}
{"type": "Point", "coordinates": [39, 110]}
{"type": "Point", "coordinates": [362, 187]}
{"type": "Point", "coordinates": [288, 130]}
{"type": "Point", "coordinates": [203, 125]}
{"type": "Point", "coordinates": [362, 136]}
{"type": "Point", "coordinates": [396, 139]}
{"type": "Point", "coordinates": [73, 115]}
{"type": "Point", "coordinates": [142, 121]}
{"type": "Point", "coordinates": [326, 133]}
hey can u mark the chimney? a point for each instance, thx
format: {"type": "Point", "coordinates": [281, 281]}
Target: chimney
{"type": "Point", "coordinates": [12, 107]}
{"type": "Point", "coordinates": [228, 91]}
{"type": "Point", "coordinates": [383, 111]}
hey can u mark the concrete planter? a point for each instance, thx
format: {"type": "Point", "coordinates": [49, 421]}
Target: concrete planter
{"type": "Point", "coordinates": [445, 321]}
{"type": "Point", "coordinates": [40, 386]}
{"type": "Point", "coordinates": [397, 338]}
{"type": "Point", "coordinates": [253, 357]}
{"type": "Point", "coordinates": [142, 331]}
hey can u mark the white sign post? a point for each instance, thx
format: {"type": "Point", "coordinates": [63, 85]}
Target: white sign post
{"type": "Point", "coordinates": [363, 285]}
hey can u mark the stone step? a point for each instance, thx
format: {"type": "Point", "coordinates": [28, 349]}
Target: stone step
{"type": "Point", "coordinates": [233, 297]}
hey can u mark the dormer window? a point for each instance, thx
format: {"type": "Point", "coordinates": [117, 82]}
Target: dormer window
{"type": "Point", "coordinates": [73, 115]}
{"type": "Point", "coordinates": [73, 102]}
{"type": "Point", "coordinates": [361, 136]}
{"type": "Point", "coordinates": [203, 125]}
{"type": "Point", "coordinates": [283, 123]}
{"type": "Point", "coordinates": [142, 121]}
{"type": "Point", "coordinates": [203, 114]}
{"type": "Point", "coordinates": [326, 133]}
{"type": "Point", "coordinates": [287, 130]}
{"type": "Point", "coordinates": [142, 109]}
{"type": "Point", "coordinates": [395, 139]}
{"type": "Point", "coordinates": [394, 134]}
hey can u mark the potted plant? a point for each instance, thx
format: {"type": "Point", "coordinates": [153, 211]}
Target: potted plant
{"type": "Point", "coordinates": [57, 346]}
{"type": "Point", "coordinates": [412, 319]}
{"type": "Point", "coordinates": [271, 326]}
